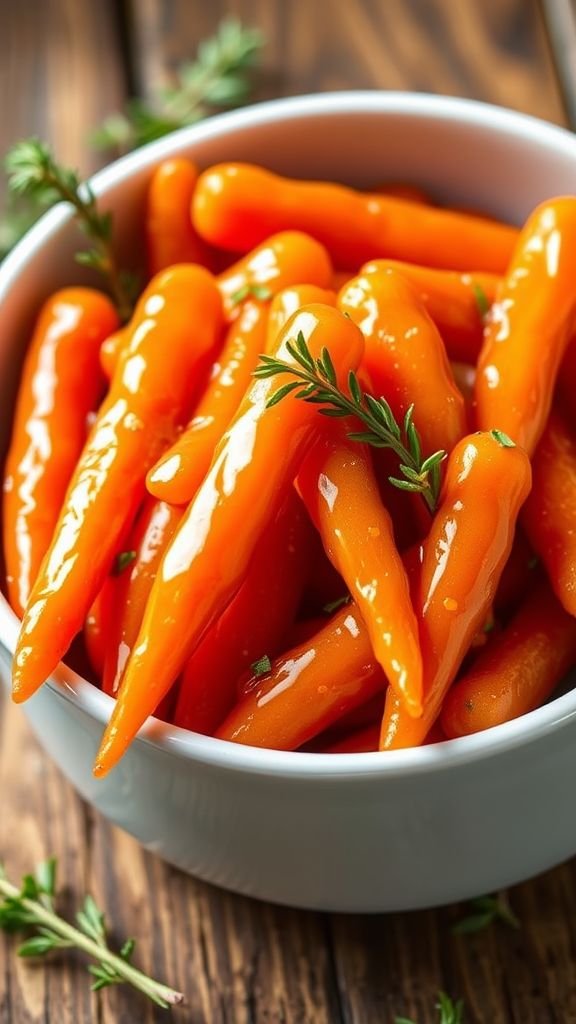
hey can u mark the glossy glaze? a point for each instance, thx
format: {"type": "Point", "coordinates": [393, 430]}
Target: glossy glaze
{"type": "Point", "coordinates": [256, 622]}
{"type": "Point", "coordinates": [452, 300]}
{"type": "Point", "coordinates": [405, 357]}
{"type": "Point", "coordinates": [179, 472]}
{"type": "Point", "coordinates": [463, 558]}
{"type": "Point", "coordinates": [276, 262]}
{"type": "Point", "coordinates": [289, 301]}
{"type": "Point", "coordinates": [355, 227]}
{"type": "Point", "coordinates": [209, 555]}
{"type": "Point", "coordinates": [517, 671]}
{"type": "Point", "coordinates": [129, 589]}
{"type": "Point", "coordinates": [530, 326]}
{"type": "Point", "coordinates": [340, 491]}
{"type": "Point", "coordinates": [148, 395]}
{"type": "Point", "coordinates": [60, 386]}
{"type": "Point", "coordinates": [309, 688]}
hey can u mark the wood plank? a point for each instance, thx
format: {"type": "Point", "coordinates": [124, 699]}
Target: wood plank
{"type": "Point", "coordinates": [494, 51]}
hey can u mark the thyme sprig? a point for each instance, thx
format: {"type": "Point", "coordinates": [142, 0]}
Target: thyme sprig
{"type": "Point", "coordinates": [486, 911]}
{"type": "Point", "coordinates": [32, 908]}
{"type": "Point", "coordinates": [449, 1011]}
{"type": "Point", "coordinates": [219, 77]}
{"type": "Point", "coordinates": [34, 173]}
{"type": "Point", "coordinates": [316, 382]}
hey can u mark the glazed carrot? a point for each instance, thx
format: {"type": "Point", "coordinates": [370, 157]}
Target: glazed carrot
{"type": "Point", "coordinates": [60, 385]}
{"type": "Point", "coordinates": [549, 516]}
{"type": "Point", "coordinates": [176, 324]}
{"type": "Point", "coordinates": [96, 628]}
{"type": "Point", "coordinates": [134, 572]}
{"type": "Point", "coordinates": [520, 572]}
{"type": "Point", "coordinates": [236, 206]}
{"type": "Point", "coordinates": [338, 487]}
{"type": "Point", "coordinates": [289, 301]}
{"type": "Point", "coordinates": [517, 671]}
{"type": "Point", "coordinates": [179, 472]}
{"type": "Point", "coordinates": [308, 688]}
{"type": "Point", "coordinates": [487, 480]}
{"type": "Point", "coordinates": [208, 557]}
{"type": "Point", "coordinates": [530, 326]}
{"type": "Point", "coordinates": [405, 357]}
{"type": "Point", "coordinates": [110, 350]}
{"type": "Point", "coordinates": [277, 262]}
{"type": "Point", "coordinates": [254, 623]}
{"type": "Point", "coordinates": [456, 301]}
{"type": "Point", "coordinates": [170, 235]}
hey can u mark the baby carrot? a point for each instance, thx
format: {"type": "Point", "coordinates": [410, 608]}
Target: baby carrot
{"type": "Point", "coordinates": [176, 324]}
{"type": "Point", "coordinates": [254, 623]}
{"type": "Point", "coordinates": [289, 301]}
{"type": "Point", "coordinates": [96, 628]}
{"type": "Point", "coordinates": [277, 262]}
{"type": "Point", "coordinates": [457, 301]}
{"type": "Point", "coordinates": [110, 350]}
{"type": "Point", "coordinates": [530, 326]}
{"type": "Point", "coordinates": [487, 481]}
{"type": "Point", "coordinates": [339, 489]}
{"type": "Point", "coordinates": [549, 515]}
{"type": "Point", "coordinates": [208, 557]}
{"type": "Point", "coordinates": [404, 356]}
{"type": "Point", "coordinates": [308, 688]}
{"type": "Point", "coordinates": [134, 572]}
{"type": "Point", "coordinates": [518, 670]}
{"type": "Point", "coordinates": [60, 385]}
{"type": "Point", "coordinates": [170, 235]}
{"type": "Point", "coordinates": [236, 206]}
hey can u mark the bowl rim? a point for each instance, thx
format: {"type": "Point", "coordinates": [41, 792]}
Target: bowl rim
{"type": "Point", "coordinates": [172, 740]}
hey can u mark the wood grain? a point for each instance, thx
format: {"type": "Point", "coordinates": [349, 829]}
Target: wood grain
{"type": "Point", "coordinates": [63, 66]}
{"type": "Point", "coordinates": [494, 50]}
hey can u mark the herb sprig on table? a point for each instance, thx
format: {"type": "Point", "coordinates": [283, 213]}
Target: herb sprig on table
{"type": "Point", "coordinates": [315, 381]}
{"type": "Point", "coordinates": [31, 909]}
{"type": "Point", "coordinates": [449, 1011]}
{"type": "Point", "coordinates": [33, 173]}
{"type": "Point", "coordinates": [486, 911]}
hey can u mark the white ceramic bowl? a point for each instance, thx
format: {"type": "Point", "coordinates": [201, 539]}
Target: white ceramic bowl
{"type": "Point", "coordinates": [362, 832]}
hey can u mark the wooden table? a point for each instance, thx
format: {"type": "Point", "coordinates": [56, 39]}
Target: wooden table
{"type": "Point", "coordinates": [64, 64]}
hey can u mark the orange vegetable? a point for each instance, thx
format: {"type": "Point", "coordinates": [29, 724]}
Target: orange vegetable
{"type": "Point", "coordinates": [253, 624]}
{"type": "Point", "coordinates": [176, 324]}
{"type": "Point", "coordinates": [530, 326]}
{"type": "Point", "coordinates": [110, 350]}
{"type": "Point", "coordinates": [308, 688]}
{"type": "Point", "coordinates": [404, 356]}
{"type": "Point", "coordinates": [60, 385]}
{"type": "Point", "coordinates": [339, 489]}
{"type": "Point", "coordinates": [96, 628]}
{"type": "Point", "coordinates": [236, 206]}
{"type": "Point", "coordinates": [519, 574]}
{"type": "Point", "coordinates": [463, 556]}
{"type": "Point", "coordinates": [178, 474]}
{"type": "Point", "coordinates": [289, 301]}
{"type": "Point", "coordinates": [456, 301]}
{"type": "Point", "coordinates": [277, 262]}
{"type": "Point", "coordinates": [170, 235]}
{"type": "Point", "coordinates": [517, 671]}
{"type": "Point", "coordinates": [362, 741]}
{"type": "Point", "coordinates": [131, 583]}
{"type": "Point", "coordinates": [208, 557]}
{"type": "Point", "coordinates": [549, 516]}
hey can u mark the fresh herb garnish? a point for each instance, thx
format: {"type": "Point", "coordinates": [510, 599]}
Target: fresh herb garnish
{"type": "Point", "coordinates": [503, 439]}
{"type": "Point", "coordinates": [255, 291]}
{"type": "Point", "coordinates": [333, 606]}
{"type": "Point", "coordinates": [261, 667]}
{"type": "Point", "coordinates": [122, 561]}
{"type": "Point", "coordinates": [450, 1012]}
{"type": "Point", "coordinates": [31, 908]}
{"type": "Point", "coordinates": [316, 382]}
{"type": "Point", "coordinates": [486, 910]}
{"type": "Point", "coordinates": [218, 78]}
{"type": "Point", "coordinates": [34, 173]}
{"type": "Point", "coordinates": [481, 299]}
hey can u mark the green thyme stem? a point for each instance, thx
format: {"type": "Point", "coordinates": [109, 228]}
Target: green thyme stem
{"type": "Point", "coordinates": [160, 994]}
